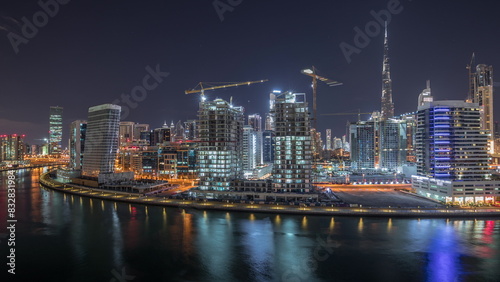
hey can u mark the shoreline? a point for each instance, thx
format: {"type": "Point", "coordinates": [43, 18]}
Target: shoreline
{"type": "Point", "coordinates": [273, 209]}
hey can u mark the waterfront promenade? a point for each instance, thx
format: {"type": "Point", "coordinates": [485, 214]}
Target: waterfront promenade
{"type": "Point", "coordinates": [326, 210]}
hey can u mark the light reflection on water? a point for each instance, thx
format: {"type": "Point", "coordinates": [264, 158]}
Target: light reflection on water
{"type": "Point", "coordinates": [89, 238]}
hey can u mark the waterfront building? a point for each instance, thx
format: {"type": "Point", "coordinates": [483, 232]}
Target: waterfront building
{"type": "Point", "coordinates": [293, 148]}
{"type": "Point", "coordinates": [12, 147]}
{"type": "Point", "coordinates": [101, 141]}
{"type": "Point", "coordinates": [77, 133]}
{"type": "Point", "coordinates": [483, 95]}
{"type": "Point", "coordinates": [452, 154]}
{"type": "Point", "coordinates": [55, 130]}
{"type": "Point", "coordinates": [220, 145]}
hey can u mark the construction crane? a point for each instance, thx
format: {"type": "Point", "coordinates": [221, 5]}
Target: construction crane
{"type": "Point", "coordinates": [359, 113]}
{"type": "Point", "coordinates": [206, 86]}
{"type": "Point", "coordinates": [312, 72]}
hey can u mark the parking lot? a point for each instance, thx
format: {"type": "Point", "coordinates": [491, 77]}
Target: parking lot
{"type": "Point", "coordinates": [382, 198]}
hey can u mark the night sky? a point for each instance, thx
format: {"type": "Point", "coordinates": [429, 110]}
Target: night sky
{"type": "Point", "coordinates": [90, 52]}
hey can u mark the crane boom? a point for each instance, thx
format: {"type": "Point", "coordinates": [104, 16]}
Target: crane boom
{"type": "Point", "coordinates": [202, 88]}
{"type": "Point", "coordinates": [312, 73]}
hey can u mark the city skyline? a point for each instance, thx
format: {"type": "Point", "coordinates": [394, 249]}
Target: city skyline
{"type": "Point", "coordinates": [100, 76]}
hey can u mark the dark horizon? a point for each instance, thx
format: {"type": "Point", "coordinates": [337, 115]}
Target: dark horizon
{"type": "Point", "coordinates": [89, 53]}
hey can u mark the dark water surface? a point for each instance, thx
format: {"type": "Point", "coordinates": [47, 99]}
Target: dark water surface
{"type": "Point", "coordinates": [70, 238]}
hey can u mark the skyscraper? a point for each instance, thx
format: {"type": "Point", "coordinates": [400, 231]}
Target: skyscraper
{"type": "Point", "coordinates": [101, 141]}
{"type": "Point", "coordinates": [452, 153]}
{"type": "Point", "coordinates": [329, 139]}
{"type": "Point", "coordinates": [255, 121]}
{"type": "Point", "coordinates": [393, 144]}
{"type": "Point", "coordinates": [55, 130]}
{"type": "Point", "coordinates": [293, 150]}
{"type": "Point", "coordinates": [387, 104]}
{"type": "Point", "coordinates": [363, 144]}
{"type": "Point", "coordinates": [426, 95]}
{"type": "Point", "coordinates": [483, 95]}
{"type": "Point", "coordinates": [268, 143]}
{"type": "Point", "coordinates": [12, 147]}
{"type": "Point", "coordinates": [77, 133]}
{"type": "Point", "coordinates": [138, 128]}
{"type": "Point", "coordinates": [249, 147]}
{"type": "Point", "coordinates": [220, 146]}
{"type": "Point", "coordinates": [126, 132]}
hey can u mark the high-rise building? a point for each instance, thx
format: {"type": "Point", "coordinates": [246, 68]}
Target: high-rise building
{"type": "Point", "coordinates": [452, 153]}
{"type": "Point", "coordinates": [249, 148]}
{"type": "Point", "coordinates": [329, 139]}
{"type": "Point", "coordinates": [393, 144]}
{"type": "Point", "coordinates": [363, 135]}
{"type": "Point", "coordinates": [138, 128]}
{"type": "Point", "coordinates": [268, 143]}
{"type": "Point", "coordinates": [191, 132]}
{"type": "Point", "coordinates": [337, 143]}
{"type": "Point", "coordinates": [101, 141]}
{"type": "Point", "coordinates": [255, 121]}
{"type": "Point", "coordinates": [77, 133]}
{"type": "Point", "coordinates": [426, 95]}
{"type": "Point", "coordinates": [483, 95]}
{"type": "Point", "coordinates": [12, 147]}
{"type": "Point", "coordinates": [126, 132]}
{"type": "Point", "coordinates": [387, 104]}
{"type": "Point", "coordinates": [293, 150]}
{"type": "Point", "coordinates": [55, 130]}
{"type": "Point", "coordinates": [161, 135]}
{"type": "Point", "coordinates": [220, 145]}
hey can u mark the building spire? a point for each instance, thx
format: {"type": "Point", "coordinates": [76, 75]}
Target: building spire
{"type": "Point", "coordinates": [387, 104]}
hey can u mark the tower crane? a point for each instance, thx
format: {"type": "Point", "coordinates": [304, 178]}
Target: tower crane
{"type": "Point", "coordinates": [206, 86]}
{"type": "Point", "coordinates": [312, 72]}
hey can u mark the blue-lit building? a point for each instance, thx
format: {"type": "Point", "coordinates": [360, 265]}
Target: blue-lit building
{"type": "Point", "coordinates": [452, 154]}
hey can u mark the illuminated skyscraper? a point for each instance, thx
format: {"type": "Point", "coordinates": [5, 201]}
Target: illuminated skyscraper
{"type": "Point", "coordinates": [293, 150]}
{"type": "Point", "coordinates": [220, 146]}
{"type": "Point", "coordinates": [387, 104]}
{"type": "Point", "coordinates": [55, 130]}
{"type": "Point", "coordinates": [426, 95]}
{"type": "Point", "coordinates": [329, 139]}
{"type": "Point", "coordinates": [452, 153]}
{"type": "Point", "coordinates": [483, 95]}
{"type": "Point", "coordinates": [12, 147]}
{"type": "Point", "coordinates": [126, 132]}
{"type": "Point", "coordinates": [77, 133]}
{"type": "Point", "coordinates": [101, 141]}
{"type": "Point", "coordinates": [255, 121]}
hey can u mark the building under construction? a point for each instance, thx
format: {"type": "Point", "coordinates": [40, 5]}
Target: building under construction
{"type": "Point", "coordinates": [220, 144]}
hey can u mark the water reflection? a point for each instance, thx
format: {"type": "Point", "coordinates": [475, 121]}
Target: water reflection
{"type": "Point", "coordinates": [443, 259]}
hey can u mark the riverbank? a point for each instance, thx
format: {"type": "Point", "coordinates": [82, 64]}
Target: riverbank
{"type": "Point", "coordinates": [50, 183]}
